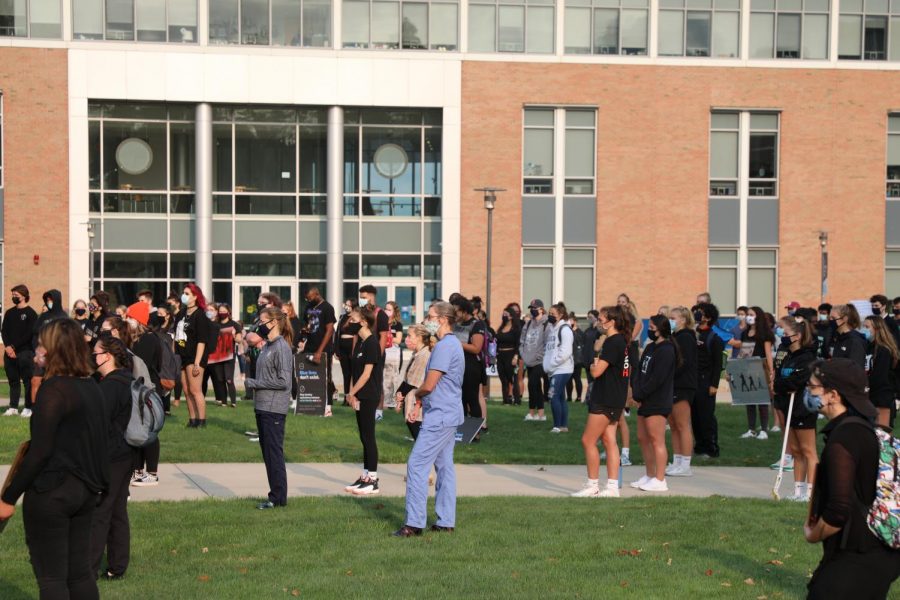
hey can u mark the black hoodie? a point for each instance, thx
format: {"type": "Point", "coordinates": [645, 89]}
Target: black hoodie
{"type": "Point", "coordinates": [51, 314]}
{"type": "Point", "coordinates": [791, 375]}
{"type": "Point", "coordinates": [850, 344]}
{"type": "Point", "coordinates": [686, 374]}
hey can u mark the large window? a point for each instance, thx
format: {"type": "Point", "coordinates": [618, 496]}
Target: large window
{"type": "Point", "coordinates": [892, 273]}
{"type": "Point", "coordinates": [135, 20]}
{"type": "Point", "coordinates": [270, 22]}
{"type": "Point", "coordinates": [789, 29]}
{"type": "Point", "coordinates": [558, 184]}
{"type": "Point", "coordinates": [31, 18]}
{"type": "Point", "coordinates": [892, 208]}
{"type": "Point", "coordinates": [606, 27]}
{"type": "Point", "coordinates": [511, 26]}
{"type": "Point", "coordinates": [699, 28]}
{"type": "Point", "coordinates": [869, 30]}
{"type": "Point", "coordinates": [378, 24]}
{"type": "Point", "coordinates": [743, 209]}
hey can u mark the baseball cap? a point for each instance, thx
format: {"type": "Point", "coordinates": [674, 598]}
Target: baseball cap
{"type": "Point", "coordinates": [851, 382]}
{"type": "Point", "coordinates": [793, 305]}
{"type": "Point", "coordinates": [536, 303]}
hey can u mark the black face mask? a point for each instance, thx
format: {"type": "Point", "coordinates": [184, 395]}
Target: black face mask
{"type": "Point", "coordinates": [506, 318]}
{"type": "Point", "coordinates": [652, 335]}
{"type": "Point", "coordinates": [876, 312]}
{"type": "Point", "coordinates": [897, 312]}
{"type": "Point", "coordinates": [264, 329]}
{"type": "Point", "coordinates": [551, 319]}
{"type": "Point", "coordinates": [534, 313]}
{"type": "Point", "coordinates": [16, 300]}
{"type": "Point", "coordinates": [353, 328]}
{"type": "Point", "coordinates": [80, 311]}
{"type": "Point", "coordinates": [698, 316]}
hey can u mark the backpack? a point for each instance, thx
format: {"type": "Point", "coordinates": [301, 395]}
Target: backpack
{"type": "Point", "coordinates": [147, 414]}
{"type": "Point", "coordinates": [577, 345]}
{"type": "Point", "coordinates": [168, 363]}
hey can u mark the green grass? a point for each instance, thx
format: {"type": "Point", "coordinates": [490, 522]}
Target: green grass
{"type": "Point", "coordinates": [503, 548]}
{"type": "Point", "coordinates": [314, 439]}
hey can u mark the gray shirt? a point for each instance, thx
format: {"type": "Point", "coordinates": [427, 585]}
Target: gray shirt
{"type": "Point", "coordinates": [533, 341]}
{"type": "Point", "coordinates": [272, 384]}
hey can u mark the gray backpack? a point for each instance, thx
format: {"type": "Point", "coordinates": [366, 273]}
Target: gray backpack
{"type": "Point", "coordinates": [147, 415]}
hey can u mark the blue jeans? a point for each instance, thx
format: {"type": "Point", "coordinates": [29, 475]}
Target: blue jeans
{"type": "Point", "coordinates": [558, 399]}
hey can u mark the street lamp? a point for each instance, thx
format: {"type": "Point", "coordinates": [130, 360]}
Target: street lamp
{"type": "Point", "coordinates": [823, 243]}
{"type": "Point", "coordinates": [490, 200]}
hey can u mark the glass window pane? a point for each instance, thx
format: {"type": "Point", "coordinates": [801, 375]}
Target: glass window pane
{"type": "Point", "coordinates": [816, 5]}
{"type": "Point", "coordinates": [578, 31]}
{"type": "Point", "coordinates": [761, 288]}
{"type": "Point", "coordinates": [763, 121]}
{"type": "Point", "coordinates": [511, 29]}
{"type": "Point", "coordinates": [724, 120]}
{"type": "Point", "coordinates": [355, 24]}
{"type": "Point", "coordinates": [606, 31]}
{"type": "Point", "coordinates": [895, 38]}
{"type": "Point", "coordinates": [723, 258]}
{"type": "Point", "coordinates": [391, 161]}
{"type": "Point", "coordinates": [671, 33]}
{"type": "Point", "coordinates": [385, 25]}
{"type": "Point", "coordinates": [875, 40]}
{"type": "Point", "coordinates": [13, 18]}
{"type": "Point", "coordinates": [183, 21]}
{"type": "Point", "coordinates": [285, 23]}
{"type": "Point", "coordinates": [541, 26]}
{"type": "Point", "coordinates": [723, 288]}
{"type": "Point", "coordinates": [255, 22]}
{"type": "Point", "coordinates": [892, 259]}
{"type": "Point", "coordinates": [537, 283]}
{"type": "Point", "coordinates": [223, 21]}
{"type": "Point", "coordinates": [87, 19]}
{"type": "Point", "coordinates": [879, 7]}
{"type": "Point", "coordinates": [850, 36]}
{"type": "Point", "coordinates": [579, 257]}
{"type": "Point", "coordinates": [723, 160]}
{"type": "Point", "coordinates": [264, 158]}
{"type": "Point", "coordinates": [46, 19]}
{"type": "Point", "coordinates": [893, 156]}
{"type": "Point", "coordinates": [788, 42]}
{"type": "Point", "coordinates": [222, 158]}
{"type": "Point", "coordinates": [851, 6]}
{"type": "Point", "coordinates": [761, 258]}
{"type": "Point", "coordinates": [539, 116]}
{"type": "Point", "coordinates": [317, 23]}
{"type": "Point", "coordinates": [538, 153]}
{"type": "Point", "coordinates": [579, 118]}
{"type": "Point", "coordinates": [815, 36]}
{"type": "Point", "coordinates": [578, 290]}
{"type": "Point", "coordinates": [151, 20]}
{"type": "Point", "coordinates": [444, 25]}
{"type": "Point", "coordinates": [698, 30]}
{"type": "Point", "coordinates": [634, 32]}
{"type": "Point", "coordinates": [894, 123]}
{"type": "Point", "coordinates": [482, 28]}
{"type": "Point", "coordinates": [267, 265]}
{"type": "Point", "coordinates": [534, 256]}
{"type": "Point", "coordinates": [119, 19]}
{"type": "Point", "coordinates": [579, 153]}
{"type": "Point", "coordinates": [181, 148]}
{"type": "Point", "coordinates": [313, 152]}
{"type": "Point", "coordinates": [134, 156]}
{"type": "Point", "coordinates": [415, 26]}
{"type": "Point", "coordinates": [763, 155]}
{"type": "Point", "coordinates": [726, 34]}
{"type": "Point", "coordinates": [94, 154]}
{"type": "Point", "coordinates": [762, 33]}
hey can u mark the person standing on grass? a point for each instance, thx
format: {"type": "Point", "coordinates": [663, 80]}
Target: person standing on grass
{"type": "Point", "coordinates": [759, 341]}
{"type": "Point", "coordinates": [507, 356]}
{"type": "Point", "coordinates": [18, 357]}
{"type": "Point", "coordinates": [319, 321]}
{"type": "Point", "coordinates": [471, 333]}
{"type": "Point", "coordinates": [531, 359]}
{"type": "Point", "coordinates": [855, 564]}
{"type": "Point", "coordinates": [420, 342]}
{"type": "Point", "coordinates": [230, 334]}
{"type": "Point", "coordinates": [439, 400]}
{"type": "Point", "coordinates": [364, 396]}
{"type": "Point", "coordinates": [577, 353]}
{"type": "Point", "coordinates": [882, 368]}
{"type": "Point", "coordinates": [272, 398]}
{"type": "Point", "coordinates": [393, 356]}
{"type": "Point", "coordinates": [345, 342]}
{"type": "Point", "coordinates": [110, 529]}
{"type": "Point", "coordinates": [682, 323]}
{"type": "Point", "coordinates": [368, 297]}
{"type": "Point", "coordinates": [654, 390]}
{"type": "Point", "coordinates": [611, 372]}
{"type": "Point", "coordinates": [710, 348]}
{"type": "Point", "coordinates": [98, 307]}
{"type": "Point", "coordinates": [66, 469]}
{"type": "Point", "coordinates": [192, 335]}
{"type": "Point", "coordinates": [559, 364]}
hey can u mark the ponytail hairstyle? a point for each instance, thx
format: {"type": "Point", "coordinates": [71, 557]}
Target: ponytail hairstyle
{"type": "Point", "coordinates": [445, 310]}
{"type": "Point", "coordinates": [67, 354]}
{"type": "Point", "coordinates": [367, 316]}
{"type": "Point", "coordinates": [122, 328]}
{"type": "Point", "coordinates": [395, 316]}
{"type": "Point", "coordinates": [849, 312]}
{"type": "Point", "coordinates": [423, 334]}
{"type": "Point", "coordinates": [801, 328]}
{"type": "Point", "coordinates": [117, 349]}
{"type": "Point", "coordinates": [620, 319]}
{"type": "Point", "coordinates": [276, 314]}
{"type": "Point", "coordinates": [686, 315]}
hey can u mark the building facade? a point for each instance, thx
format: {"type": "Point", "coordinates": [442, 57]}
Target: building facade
{"type": "Point", "coordinates": [658, 148]}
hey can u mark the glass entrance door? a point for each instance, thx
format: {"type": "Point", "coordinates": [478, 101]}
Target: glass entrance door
{"type": "Point", "coordinates": [407, 294]}
{"type": "Point", "coordinates": [247, 291]}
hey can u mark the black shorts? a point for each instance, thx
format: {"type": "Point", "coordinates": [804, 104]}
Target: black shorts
{"type": "Point", "coordinates": [684, 396]}
{"type": "Point", "coordinates": [654, 411]}
{"type": "Point", "coordinates": [882, 400]}
{"type": "Point", "coordinates": [610, 412]}
{"type": "Point", "coordinates": [807, 421]}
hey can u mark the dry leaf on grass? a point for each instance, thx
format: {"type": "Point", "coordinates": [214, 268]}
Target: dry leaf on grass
{"type": "Point", "coordinates": [749, 581]}
{"type": "Point", "coordinates": [708, 572]}
{"type": "Point", "coordinates": [295, 592]}
{"type": "Point", "coordinates": [204, 550]}
{"type": "Point", "coordinates": [775, 562]}
{"type": "Point", "coordinates": [203, 578]}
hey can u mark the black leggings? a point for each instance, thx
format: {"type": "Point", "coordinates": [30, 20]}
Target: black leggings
{"type": "Point", "coordinates": [345, 372]}
{"type": "Point", "coordinates": [365, 422]}
{"type": "Point", "coordinates": [110, 529]}
{"type": "Point", "coordinates": [507, 374]}
{"type": "Point", "coordinates": [576, 380]}
{"type": "Point", "coordinates": [538, 384]}
{"type": "Point", "coordinates": [58, 534]}
{"type": "Point", "coordinates": [223, 381]}
{"type": "Point", "coordinates": [470, 386]}
{"type": "Point", "coordinates": [147, 456]}
{"type": "Point", "coordinates": [849, 574]}
{"type": "Point", "coordinates": [18, 372]}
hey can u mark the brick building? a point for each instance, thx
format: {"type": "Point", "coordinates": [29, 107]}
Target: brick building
{"type": "Point", "coordinates": [654, 148]}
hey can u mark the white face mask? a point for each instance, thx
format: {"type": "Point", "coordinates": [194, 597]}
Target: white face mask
{"type": "Point", "coordinates": [750, 319]}
{"type": "Point", "coordinates": [363, 301]}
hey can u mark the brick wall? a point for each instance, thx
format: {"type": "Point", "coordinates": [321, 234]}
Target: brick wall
{"type": "Point", "coordinates": [652, 172]}
{"type": "Point", "coordinates": [36, 171]}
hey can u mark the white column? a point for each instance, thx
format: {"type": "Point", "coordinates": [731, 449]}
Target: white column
{"type": "Point", "coordinates": [334, 260]}
{"type": "Point", "coordinates": [834, 33]}
{"type": "Point", "coordinates": [744, 192]}
{"type": "Point", "coordinates": [653, 42]}
{"type": "Point", "coordinates": [559, 181]}
{"type": "Point", "coordinates": [745, 30]}
{"type": "Point", "coordinates": [337, 37]}
{"type": "Point", "coordinates": [203, 197]}
{"type": "Point", "coordinates": [203, 25]}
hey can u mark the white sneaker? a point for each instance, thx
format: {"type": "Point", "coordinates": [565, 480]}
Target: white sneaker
{"type": "Point", "coordinates": [555, 430]}
{"type": "Point", "coordinates": [253, 439]}
{"type": "Point", "coordinates": [681, 471]}
{"type": "Point", "coordinates": [624, 461]}
{"type": "Point", "coordinates": [775, 429]}
{"type": "Point", "coordinates": [637, 484]}
{"type": "Point", "coordinates": [588, 491]}
{"type": "Point", "coordinates": [11, 412]}
{"type": "Point", "coordinates": [368, 487]}
{"type": "Point", "coordinates": [147, 480]}
{"type": "Point", "coordinates": [750, 434]}
{"type": "Point", "coordinates": [541, 418]}
{"type": "Point", "coordinates": [762, 435]}
{"type": "Point", "coordinates": [530, 417]}
{"type": "Point", "coordinates": [379, 415]}
{"type": "Point", "coordinates": [609, 492]}
{"type": "Point", "coordinates": [655, 485]}
{"type": "Point", "coordinates": [26, 413]}
{"type": "Point", "coordinates": [327, 412]}
{"type": "Point", "coordinates": [671, 468]}
{"type": "Point", "coordinates": [797, 498]}
{"type": "Point", "coordinates": [788, 465]}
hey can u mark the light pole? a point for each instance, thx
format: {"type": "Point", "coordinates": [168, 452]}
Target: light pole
{"type": "Point", "coordinates": [823, 242]}
{"type": "Point", "coordinates": [490, 199]}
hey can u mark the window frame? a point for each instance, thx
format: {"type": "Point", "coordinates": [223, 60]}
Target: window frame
{"type": "Point", "coordinates": [28, 25]}
{"type": "Point", "coordinates": [802, 14]}
{"type": "Point", "coordinates": [525, 5]}
{"type": "Point", "coordinates": [429, 47]}
{"type": "Point", "coordinates": [712, 11]}
{"type": "Point", "coordinates": [890, 16]}
{"type": "Point", "coordinates": [134, 22]}
{"type": "Point", "coordinates": [593, 8]}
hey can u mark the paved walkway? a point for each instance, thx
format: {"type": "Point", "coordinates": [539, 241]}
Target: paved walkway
{"type": "Point", "coordinates": [192, 481]}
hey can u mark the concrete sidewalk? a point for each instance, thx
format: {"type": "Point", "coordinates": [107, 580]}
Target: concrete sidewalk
{"type": "Point", "coordinates": [192, 481]}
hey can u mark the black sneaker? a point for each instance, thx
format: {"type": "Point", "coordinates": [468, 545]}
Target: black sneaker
{"type": "Point", "coordinates": [110, 576]}
{"type": "Point", "coordinates": [354, 485]}
{"type": "Point", "coordinates": [407, 531]}
{"type": "Point", "coordinates": [369, 487]}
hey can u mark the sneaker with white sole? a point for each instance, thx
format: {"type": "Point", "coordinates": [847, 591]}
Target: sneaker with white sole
{"type": "Point", "coordinates": [671, 468]}
{"type": "Point", "coordinates": [26, 413]}
{"type": "Point", "coordinates": [369, 487]}
{"type": "Point", "coordinates": [624, 461]}
{"type": "Point", "coordinates": [750, 434]}
{"type": "Point", "coordinates": [797, 498]}
{"type": "Point", "coordinates": [148, 480]}
{"type": "Point", "coordinates": [541, 418]}
{"type": "Point", "coordinates": [355, 485]}
{"type": "Point", "coordinates": [556, 430]}
{"type": "Point", "coordinates": [136, 476]}
{"type": "Point", "coordinates": [762, 435]}
{"type": "Point", "coordinates": [328, 412]}
{"type": "Point", "coordinates": [637, 484]}
{"type": "Point", "coordinates": [775, 429]}
{"type": "Point", "coordinates": [609, 492]}
{"type": "Point", "coordinates": [788, 465]}
{"type": "Point", "coordinates": [11, 412]}
{"type": "Point", "coordinates": [588, 491]}
{"type": "Point", "coordinates": [253, 439]}
{"type": "Point", "coordinates": [530, 417]}
{"type": "Point", "coordinates": [655, 485]}
{"type": "Point", "coordinates": [681, 471]}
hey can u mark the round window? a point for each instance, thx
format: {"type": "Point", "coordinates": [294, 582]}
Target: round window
{"type": "Point", "coordinates": [391, 161]}
{"type": "Point", "coordinates": [134, 156]}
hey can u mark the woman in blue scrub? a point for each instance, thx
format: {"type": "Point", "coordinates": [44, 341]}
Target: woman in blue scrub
{"type": "Point", "coordinates": [440, 400]}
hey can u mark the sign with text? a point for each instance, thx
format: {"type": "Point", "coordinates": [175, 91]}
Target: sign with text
{"type": "Point", "coordinates": [311, 385]}
{"type": "Point", "coordinates": [747, 379]}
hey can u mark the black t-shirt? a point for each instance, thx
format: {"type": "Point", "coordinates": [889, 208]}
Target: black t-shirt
{"type": "Point", "coordinates": [464, 332]}
{"type": "Point", "coordinates": [367, 352]}
{"type": "Point", "coordinates": [382, 324]}
{"type": "Point", "coordinates": [317, 319]}
{"type": "Point", "coordinates": [611, 388]}
{"type": "Point", "coordinates": [759, 348]}
{"type": "Point", "coordinates": [92, 327]}
{"type": "Point", "coordinates": [194, 328]}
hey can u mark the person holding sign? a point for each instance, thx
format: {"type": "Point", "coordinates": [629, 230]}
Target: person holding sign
{"type": "Point", "coordinates": [758, 340]}
{"type": "Point", "coordinates": [364, 396]}
{"type": "Point", "coordinates": [440, 400]}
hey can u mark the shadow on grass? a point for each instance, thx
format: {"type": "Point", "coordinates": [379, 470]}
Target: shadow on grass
{"type": "Point", "coordinates": [779, 578]}
{"type": "Point", "coordinates": [9, 591]}
{"type": "Point", "coordinates": [392, 511]}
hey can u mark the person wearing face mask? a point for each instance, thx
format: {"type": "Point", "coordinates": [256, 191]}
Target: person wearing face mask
{"type": "Point", "coordinates": [559, 364]}
{"type": "Point", "coordinates": [345, 341]}
{"type": "Point", "coordinates": [193, 333]}
{"type": "Point", "coordinates": [368, 295]}
{"type": "Point", "coordinates": [758, 340]}
{"type": "Point", "coordinates": [393, 356]}
{"type": "Point", "coordinates": [420, 341]}
{"type": "Point", "coordinates": [824, 329]}
{"type": "Point", "coordinates": [880, 309]}
{"type": "Point", "coordinates": [577, 354]}
{"type": "Point", "coordinates": [364, 395]}
{"type": "Point", "coordinates": [882, 362]}
{"type": "Point", "coordinates": [591, 335]}
{"type": "Point", "coordinates": [710, 348]}
{"type": "Point", "coordinates": [791, 308]}
{"type": "Point", "coordinates": [471, 333]}
{"type": "Point", "coordinates": [796, 352]}
{"type": "Point", "coordinates": [738, 330]}
{"type": "Point", "coordinates": [438, 400]}
{"type": "Point", "coordinates": [847, 341]}
{"type": "Point", "coordinates": [98, 305]}
{"type": "Point", "coordinates": [531, 359]}
{"type": "Point", "coordinates": [855, 563]}
{"type": "Point", "coordinates": [53, 310]}
{"type": "Point", "coordinates": [507, 356]}
{"type": "Point", "coordinates": [221, 359]}
{"type": "Point", "coordinates": [80, 313]}
{"type": "Point", "coordinates": [685, 385]}
{"type": "Point", "coordinates": [18, 357]}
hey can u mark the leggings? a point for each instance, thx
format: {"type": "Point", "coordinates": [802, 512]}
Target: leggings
{"type": "Point", "coordinates": [223, 381]}
{"type": "Point", "coordinates": [147, 456]}
{"type": "Point", "coordinates": [538, 384]}
{"type": "Point", "coordinates": [365, 422]}
{"type": "Point", "coordinates": [576, 380]}
{"type": "Point", "coordinates": [763, 416]}
{"type": "Point", "coordinates": [507, 374]}
{"type": "Point", "coordinates": [470, 385]}
{"type": "Point", "coordinates": [345, 373]}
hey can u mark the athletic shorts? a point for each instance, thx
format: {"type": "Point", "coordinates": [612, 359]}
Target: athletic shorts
{"type": "Point", "coordinates": [804, 422]}
{"type": "Point", "coordinates": [882, 400]}
{"type": "Point", "coordinates": [611, 413]}
{"type": "Point", "coordinates": [684, 396]}
{"type": "Point", "coordinates": [654, 411]}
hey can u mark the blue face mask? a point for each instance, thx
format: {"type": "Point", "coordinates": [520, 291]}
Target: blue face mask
{"type": "Point", "coordinates": [779, 331]}
{"type": "Point", "coordinates": [867, 333]}
{"type": "Point", "coordinates": [811, 402]}
{"type": "Point", "coordinates": [672, 324]}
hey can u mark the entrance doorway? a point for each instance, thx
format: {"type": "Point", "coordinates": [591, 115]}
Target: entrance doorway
{"type": "Point", "coordinates": [247, 291]}
{"type": "Point", "coordinates": [408, 296]}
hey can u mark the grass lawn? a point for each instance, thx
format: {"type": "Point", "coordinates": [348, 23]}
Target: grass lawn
{"type": "Point", "coordinates": [314, 439]}
{"type": "Point", "coordinates": [504, 548]}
